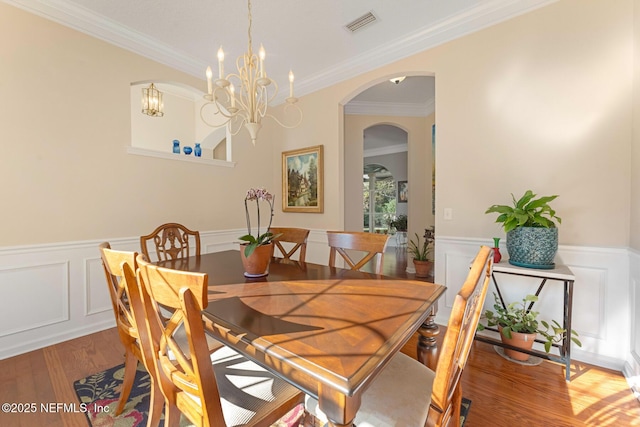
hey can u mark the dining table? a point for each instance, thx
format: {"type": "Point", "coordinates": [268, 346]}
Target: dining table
{"type": "Point", "coordinates": [328, 331]}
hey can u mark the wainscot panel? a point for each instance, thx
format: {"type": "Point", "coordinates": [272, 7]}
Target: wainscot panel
{"type": "Point", "coordinates": [632, 366]}
{"type": "Point", "coordinates": [601, 305]}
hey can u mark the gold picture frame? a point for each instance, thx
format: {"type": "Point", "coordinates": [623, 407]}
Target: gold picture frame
{"type": "Point", "coordinates": [303, 180]}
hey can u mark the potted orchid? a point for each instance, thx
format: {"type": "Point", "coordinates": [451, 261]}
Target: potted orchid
{"type": "Point", "coordinates": [257, 195]}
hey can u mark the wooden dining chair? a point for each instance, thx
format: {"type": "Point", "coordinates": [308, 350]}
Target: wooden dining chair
{"type": "Point", "coordinates": [373, 244]}
{"type": "Point", "coordinates": [407, 393]}
{"type": "Point", "coordinates": [218, 389]}
{"type": "Point", "coordinates": [112, 262]}
{"type": "Point", "coordinates": [171, 241]}
{"type": "Point", "coordinates": [137, 303]}
{"type": "Point", "coordinates": [297, 236]}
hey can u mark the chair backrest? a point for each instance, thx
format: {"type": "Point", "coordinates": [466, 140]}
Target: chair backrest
{"type": "Point", "coordinates": [297, 236]}
{"type": "Point", "coordinates": [467, 307]}
{"type": "Point", "coordinates": [148, 336]}
{"type": "Point", "coordinates": [181, 369]}
{"type": "Point", "coordinates": [112, 262]}
{"type": "Point", "coordinates": [171, 241]}
{"type": "Point", "coordinates": [373, 244]}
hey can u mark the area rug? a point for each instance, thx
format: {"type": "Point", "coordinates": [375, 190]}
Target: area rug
{"type": "Point", "coordinates": [100, 393]}
{"type": "Point", "coordinates": [464, 410]}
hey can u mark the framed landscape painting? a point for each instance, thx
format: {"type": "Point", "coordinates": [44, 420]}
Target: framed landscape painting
{"type": "Point", "coordinates": [403, 192]}
{"type": "Point", "coordinates": [302, 180]}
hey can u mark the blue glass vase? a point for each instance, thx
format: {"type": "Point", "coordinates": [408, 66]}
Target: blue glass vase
{"type": "Point", "coordinates": [197, 151]}
{"type": "Point", "coordinates": [187, 150]}
{"type": "Point", "coordinates": [176, 146]}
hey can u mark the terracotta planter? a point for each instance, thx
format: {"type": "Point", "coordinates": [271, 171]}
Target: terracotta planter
{"type": "Point", "coordinates": [257, 265]}
{"type": "Point", "coordinates": [423, 268]}
{"type": "Point", "coordinates": [520, 340]}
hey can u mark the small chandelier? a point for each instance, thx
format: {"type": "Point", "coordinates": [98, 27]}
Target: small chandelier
{"type": "Point", "coordinates": [243, 98]}
{"type": "Point", "coordinates": [152, 104]}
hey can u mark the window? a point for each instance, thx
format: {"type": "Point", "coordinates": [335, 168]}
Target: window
{"type": "Point", "coordinates": [379, 198]}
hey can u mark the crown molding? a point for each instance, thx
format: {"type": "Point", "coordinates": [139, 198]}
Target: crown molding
{"type": "Point", "coordinates": [466, 22]}
{"type": "Point", "coordinates": [456, 26]}
{"type": "Point", "coordinates": [396, 109]}
{"type": "Point", "coordinates": [90, 23]}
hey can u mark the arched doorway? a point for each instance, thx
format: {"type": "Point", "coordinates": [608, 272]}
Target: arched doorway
{"type": "Point", "coordinates": [385, 172]}
{"type": "Point", "coordinates": [416, 118]}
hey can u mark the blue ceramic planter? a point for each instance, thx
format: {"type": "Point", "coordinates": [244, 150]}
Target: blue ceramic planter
{"type": "Point", "coordinates": [532, 247]}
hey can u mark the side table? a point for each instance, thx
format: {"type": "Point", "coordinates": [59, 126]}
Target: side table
{"type": "Point", "coordinates": [561, 273]}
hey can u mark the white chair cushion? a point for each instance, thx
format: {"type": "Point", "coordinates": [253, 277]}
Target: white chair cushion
{"type": "Point", "coordinates": [399, 396]}
{"type": "Point", "coordinates": [248, 392]}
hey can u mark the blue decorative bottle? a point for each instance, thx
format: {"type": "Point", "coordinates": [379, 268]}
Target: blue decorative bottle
{"type": "Point", "coordinates": [198, 150]}
{"type": "Point", "coordinates": [176, 146]}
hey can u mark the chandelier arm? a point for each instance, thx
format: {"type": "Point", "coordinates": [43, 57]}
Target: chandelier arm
{"type": "Point", "coordinates": [285, 109]}
{"type": "Point", "coordinates": [217, 112]}
{"type": "Point", "coordinates": [250, 25]}
{"type": "Point", "coordinates": [241, 122]}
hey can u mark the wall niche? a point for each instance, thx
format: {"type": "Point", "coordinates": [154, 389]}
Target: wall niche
{"type": "Point", "coordinates": [154, 136]}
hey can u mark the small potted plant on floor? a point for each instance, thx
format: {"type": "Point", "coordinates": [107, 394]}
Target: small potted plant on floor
{"type": "Point", "coordinates": [532, 235]}
{"type": "Point", "coordinates": [421, 253]}
{"type": "Point", "coordinates": [519, 327]}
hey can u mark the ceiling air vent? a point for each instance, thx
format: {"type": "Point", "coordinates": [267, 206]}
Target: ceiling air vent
{"type": "Point", "coordinates": [361, 22]}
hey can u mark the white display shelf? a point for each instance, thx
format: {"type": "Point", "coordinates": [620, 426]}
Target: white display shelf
{"type": "Point", "coordinates": [180, 157]}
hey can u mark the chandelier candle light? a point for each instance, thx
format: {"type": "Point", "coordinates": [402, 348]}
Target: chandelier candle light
{"type": "Point", "coordinates": [250, 103]}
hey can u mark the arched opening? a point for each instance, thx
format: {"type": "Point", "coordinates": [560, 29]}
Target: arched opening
{"type": "Point", "coordinates": [181, 123]}
{"type": "Point", "coordinates": [412, 110]}
{"type": "Point", "coordinates": [385, 176]}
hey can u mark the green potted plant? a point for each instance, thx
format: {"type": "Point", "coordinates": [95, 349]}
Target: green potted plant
{"type": "Point", "coordinates": [519, 326]}
{"type": "Point", "coordinates": [532, 235]}
{"type": "Point", "coordinates": [399, 223]}
{"type": "Point", "coordinates": [421, 253]}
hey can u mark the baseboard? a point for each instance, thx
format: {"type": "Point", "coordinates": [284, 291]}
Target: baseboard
{"type": "Point", "coordinates": [46, 341]}
{"type": "Point", "coordinates": [631, 372]}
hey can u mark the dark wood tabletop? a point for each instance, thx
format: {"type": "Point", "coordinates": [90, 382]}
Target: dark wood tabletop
{"type": "Point", "coordinates": [226, 268]}
{"type": "Point", "coordinates": [328, 331]}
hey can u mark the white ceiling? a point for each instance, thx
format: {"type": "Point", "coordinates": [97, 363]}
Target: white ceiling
{"type": "Point", "coordinates": [304, 35]}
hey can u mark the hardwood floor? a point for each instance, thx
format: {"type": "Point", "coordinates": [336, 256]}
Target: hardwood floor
{"type": "Point", "coordinates": [502, 393]}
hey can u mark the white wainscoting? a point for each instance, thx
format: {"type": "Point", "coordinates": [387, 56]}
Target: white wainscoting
{"type": "Point", "coordinates": [58, 292]}
{"type": "Point", "coordinates": [601, 303]}
{"type": "Point", "coordinates": [55, 292]}
{"type": "Point", "coordinates": [632, 367]}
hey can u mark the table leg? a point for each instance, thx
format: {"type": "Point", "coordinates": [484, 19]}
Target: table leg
{"type": "Point", "coordinates": [566, 343]}
{"type": "Point", "coordinates": [427, 344]}
{"type": "Point", "coordinates": [340, 409]}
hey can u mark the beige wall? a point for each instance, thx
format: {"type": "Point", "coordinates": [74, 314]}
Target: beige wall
{"type": "Point", "coordinates": [65, 124]}
{"type": "Point", "coordinates": [541, 102]}
{"type": "Point", "coordinates": [635, 149]}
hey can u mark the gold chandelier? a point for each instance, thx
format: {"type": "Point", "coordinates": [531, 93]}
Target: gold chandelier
{"type": "Point", "coordinates": [152, 104]}
{"type": "Point", "coordinates": [243, 98]}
